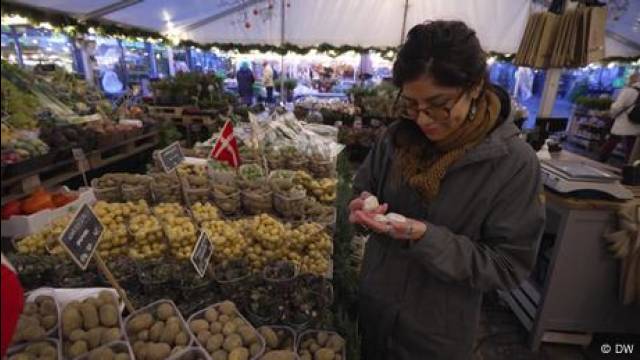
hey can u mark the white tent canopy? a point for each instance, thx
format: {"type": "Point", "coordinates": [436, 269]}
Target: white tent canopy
{"type": "Point", "coordinates": [498, 23]}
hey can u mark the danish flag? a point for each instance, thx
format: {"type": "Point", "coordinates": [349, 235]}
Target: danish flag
{"type": "Point", "coordinates": [226, 147]}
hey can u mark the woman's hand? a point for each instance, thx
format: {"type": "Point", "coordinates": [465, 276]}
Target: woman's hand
{"type": "Point", "coordinates": [409, 230]}
{"type": "Point", "coordinates": [357, 204]}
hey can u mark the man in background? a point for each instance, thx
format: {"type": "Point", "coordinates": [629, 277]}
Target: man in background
{"type": "Point", "coordinates": [267, 81]}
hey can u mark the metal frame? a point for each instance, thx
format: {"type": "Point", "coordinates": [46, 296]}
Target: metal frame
{"type": "Point", "coordinates": [109, 9]}
{"type": "Point", "coordinates": [221, 15]}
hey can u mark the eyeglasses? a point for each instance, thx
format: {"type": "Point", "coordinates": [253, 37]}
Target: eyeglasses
{"type": "Point", "coordinates": [411, 109]}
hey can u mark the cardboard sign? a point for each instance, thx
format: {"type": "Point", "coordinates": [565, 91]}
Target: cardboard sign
{"type": "Point", "coordinates": [201, 254]}
{"type": "Point", "coordinates": [171, 157]}
{"type": "Point", "coordinates": [81, 237]}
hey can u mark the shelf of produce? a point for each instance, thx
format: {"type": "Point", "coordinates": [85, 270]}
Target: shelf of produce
{"type": "Point", "coordinates": [60, 172]}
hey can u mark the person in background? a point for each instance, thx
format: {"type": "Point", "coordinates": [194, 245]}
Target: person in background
{"type": "Point", "coordinates": [469, 193]}
{"type": "Point", "coordinates": [245, 83]}
{"type": "Point", "coordinates": [12, 303]}
{"type": "Point", "coordinates": [267, 81]}
{"type": "Point", "coordinates": [623, 129]}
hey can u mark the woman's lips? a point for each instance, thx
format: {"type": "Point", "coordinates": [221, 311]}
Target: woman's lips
{"type": "Point", "coordinates": [429, 129]}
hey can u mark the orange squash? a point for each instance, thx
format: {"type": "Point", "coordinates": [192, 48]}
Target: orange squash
{"type": "Point", "coordinates": [39, 200]}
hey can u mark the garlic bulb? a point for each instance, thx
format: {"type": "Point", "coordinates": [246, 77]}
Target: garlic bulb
{"type": "Point", "coordinates": [396, 218]}
{"type": "Point", "coordinates": [380, 218]}
{"type": "Point", "coordinates": [371, 203]}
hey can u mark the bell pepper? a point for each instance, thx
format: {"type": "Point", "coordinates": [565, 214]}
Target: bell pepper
{"type": "Point", "coordinates": [11, 208]}
{"type": "Point", "coordinates": [62, 199]}
{"type": "Point", "coordinates": [39, 200]}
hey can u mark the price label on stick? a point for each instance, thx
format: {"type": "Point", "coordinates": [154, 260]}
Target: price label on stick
{"type": "Point", "coordinates": [81, 237]}
{"type": "Point", "coordinates": [201, 254]}
{"type": "Point", "coordinates": [171, 157]}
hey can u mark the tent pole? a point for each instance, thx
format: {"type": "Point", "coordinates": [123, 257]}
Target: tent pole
{"type": "Point", "coordinates": [106, 10]}
{"type": "Point", "coordinates": [282, 14]}
{"type": "Point", "coordinates": [404, 21]}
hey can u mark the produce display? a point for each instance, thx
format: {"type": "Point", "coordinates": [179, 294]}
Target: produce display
{"type": "Point", "coordinates": [157, 331]}
{"type": "Point", "coordinates": [204, 212]}
{"type": "Point", "coordinates": [41, 350]}
{"type": "Point", "coordinates": [278, 339]}
{"type": "Point", "coordinates": [166, 188]}
{"type": "Point", "coordinates": [116, 350]}
{"type": "Point", "coordinates": [40, 199]}
{"type": "Point", "coordinates": [44, 241]}
{"type": "Point", "coordinates": [147, 237]}
{"type": "Point", "coordinates": [225, 334]}
{"type": "Point", "coordinates": [89, 324]}
{"type": "Point", "coordinates": [20, 146]}
{"type": "Point", "coordinates": [321, 345]}
{"type": "Point", "coordinates": [38, 320]}
{"type": "Point", "coordinates": [181, 235]}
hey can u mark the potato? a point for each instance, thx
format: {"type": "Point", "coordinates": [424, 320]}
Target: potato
{"type": "Point", "coordinates": [314, 347]}
{"type": "Point", "coordinates": [122, 356]}
{"type": "Point", "coordinates": [93, 337]}
{"type": "Point", "coordinates": [215, 328]}
{"type": "Point", "coordinates": [89, 316]}
{"type": "Point", "coordinates": [203, 336]}
{"type": "Point", "coordinates": [335, 343]}
{"type": "Point", "coordinates": [219, 355]}
{"type": "Point", "coordinates": [305, 356]}
{"type": "Point", "coordinates": [214, 342]}
{"type": "Point", "coordinates": [156, 331]}
{"type": "Point", "coordinates": [279, 355]}
{"type": "Point", "coordinates": [158, 351]}
{"type": "Point", "coordinates": [223, 319]}
{"type": "Point", "coordinates": [78, 348]}
{"type": "Point", "coordinates": [248, 334]}
{"type": "Point", "coordinates": [227, 307]}
{"type": "Point", "coordinates": [21, 356]}
{"type": "Point", "coordinates": [78, 334]}
{"type": "Point", "coordinates": [239, 354]}
{"type": "Point", "coordinates": [49, 321]}
{"type": "Point", "coordinates": [140, 322]}
{"type": "Point", "coordinates": [48, 307]}
{"type": "Point", "coordinates": [107, 297]}
{"type": "Point", "coordinates": [239, 321]}
{"type": "Point", "coordinates": [198, 325]}
{"type": "Point", "coordinates": [269, 336]}
{"type": "Point", "coordinates": [169, 333]}
{"type": "Point", "coordinates": [33, 333]}
{"type": "Point", "coordinates": [71, 319]}
{"type": "Point", "coordinates": [165, 311]}
{"type": "Point", "coordinates": [108, 315]}
{"type": "Point", "coordinates": [30, 309]}
{"type": "Point", "coordinates": [211, 315]}
{"type": "Point", "coordinates": [109, 335]}
{"type": "Point", "coordinates": [173, 319]}
{"type": "Point", "coordinates": [255, 349]}
{"type": "Point", "coordinates": [324, 354]}
{"type": "Point", "coordinates": [322, 337]}
{"type": "Point", "coordinates": [231, 342]}
{"type": "Point", "coordinates": [143, 335]}
{"type": "Point", "coordinates": [104, 353]}
{"type": "Point", "coordinates": [182, 339]}
{"type": "Point", "coordinates": [229, 328]}
{"type": "Point", "coordinates": [139, 349]}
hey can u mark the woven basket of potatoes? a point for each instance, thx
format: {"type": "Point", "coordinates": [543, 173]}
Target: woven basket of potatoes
{"type": "Point", "coordinates": [90, 323]}
{"type": "Point", "coordinates": [225, 334]}
{"type": "Point", "coordinates": [117, 350]}
{"type": "Point", "coordinates": [321, 345]}
{"type": "Point", "coordinates": [157, 331]}
{"type": "Point", "coordinates": [280, 342]}
{"type": "Point", "coordinates": [39, 319]}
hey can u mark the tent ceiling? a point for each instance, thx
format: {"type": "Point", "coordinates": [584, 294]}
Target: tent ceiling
{"type": "Point", "coordinates": [499, 23]}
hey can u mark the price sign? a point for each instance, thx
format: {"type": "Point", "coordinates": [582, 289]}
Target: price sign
{"type": "Point", "coordinates": [171, 157]}
{"type": "Point", "coordinates": [83, 163]}
{"type": "Point", "coordinates": [201, 254]}
{"type": "Point", "coordinates": [81, 237]}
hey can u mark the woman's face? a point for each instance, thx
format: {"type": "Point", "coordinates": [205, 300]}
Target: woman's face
{"type": "Point", "coordinates": [437, 110]}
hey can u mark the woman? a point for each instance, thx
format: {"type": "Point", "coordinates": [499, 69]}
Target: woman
{"type": "Point", "coordinates": [245, 83]}
{"type": "Point", "coordinates": [623, 128]}
{"type": "Point", "coordinates": [470, 191]}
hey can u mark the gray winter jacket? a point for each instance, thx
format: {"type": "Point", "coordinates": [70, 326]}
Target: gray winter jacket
{"type": "Point", "coordinates": [422, 301]}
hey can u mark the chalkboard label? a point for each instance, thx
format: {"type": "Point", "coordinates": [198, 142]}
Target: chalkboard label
{"type": "Point", "coordinates": [201, 254]}
{"type": "Point", "coordinates": [81, 237]}
{"type": "Point", "coordinates": [171, 157]}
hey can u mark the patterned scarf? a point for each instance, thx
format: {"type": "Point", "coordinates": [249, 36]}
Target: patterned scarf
{"type": "Point", "coordinates": [425, 163]}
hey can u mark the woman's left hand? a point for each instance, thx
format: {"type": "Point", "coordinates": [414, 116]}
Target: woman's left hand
{"type": "Point", "coordinates": [409, 230]}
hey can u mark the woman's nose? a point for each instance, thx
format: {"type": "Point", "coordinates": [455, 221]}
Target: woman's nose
{"type": "Point", "coordinates": [424, 118]}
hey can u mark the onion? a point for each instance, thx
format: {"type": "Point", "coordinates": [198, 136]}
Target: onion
{"type": "Point", "coordinates": [370, 204]}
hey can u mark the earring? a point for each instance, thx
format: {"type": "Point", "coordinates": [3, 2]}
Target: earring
{"type": "Point", "coordinates": [472, 111]}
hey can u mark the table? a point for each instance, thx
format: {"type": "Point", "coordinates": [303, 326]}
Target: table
{"type": "Point", "coordinates": [573, 292]}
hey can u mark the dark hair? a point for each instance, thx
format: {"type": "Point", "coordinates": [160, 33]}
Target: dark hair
{"type": "Point", "coordinates": [449, 51]}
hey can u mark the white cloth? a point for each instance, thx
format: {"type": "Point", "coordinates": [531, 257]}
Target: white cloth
{"type": "Point", "coordinates": [622, 126]}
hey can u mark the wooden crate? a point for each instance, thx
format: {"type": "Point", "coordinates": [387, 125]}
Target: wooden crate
{"type": "Point", "coordinates": [122, 150]}
{"type": "Point", "coordinates": [46, 176]}
{"type": "Point", "coordinates": [165, 111]}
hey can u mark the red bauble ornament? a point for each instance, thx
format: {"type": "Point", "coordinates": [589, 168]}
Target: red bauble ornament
{"type": "Point", "coordinates": [247, 25]}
